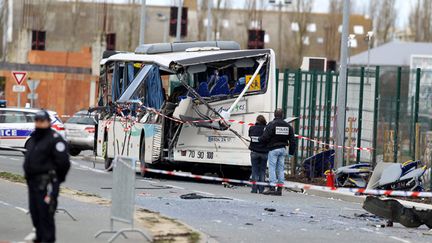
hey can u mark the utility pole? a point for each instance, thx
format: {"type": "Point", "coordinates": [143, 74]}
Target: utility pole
{"type": "Point", "coordinates": [279, 54]}
{"type": "Point", "coordinates": [142, 22]}
{"type": "Point", "coordinates": [209, 19]}
{"type": "Point", "coordinates": [341, 102]}
{"type": "Point", "coordinates": [179, 18]}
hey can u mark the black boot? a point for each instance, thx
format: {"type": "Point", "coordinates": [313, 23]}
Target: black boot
{"type": "Point", "coordinates": [270, 191]}
{"type": "Point", "coordinates": [278, 191]}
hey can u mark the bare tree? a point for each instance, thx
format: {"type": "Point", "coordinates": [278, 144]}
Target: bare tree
{"type": "Point", "coordinates": [299, 20]}
{"type": "Point", "coordinates": [219, 13]}
{"type": "Point", "coordinates": [132, 17]}
{"type": "Point", "coordinates": [3, 28]}
{"type": "Point", "coordinates": [420, 21]}
{"type": "Point", "coordinates": [383, 14]}
{"type": "Point", "coordinates": [331, 29]}
{"type": "Point", "coordinates": [201, 16]}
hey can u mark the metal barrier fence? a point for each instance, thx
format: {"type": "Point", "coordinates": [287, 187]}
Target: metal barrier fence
{"type": "Point", "coordinates": [123, 198]}
{"type": "Point", "coordinates": [388, 109]}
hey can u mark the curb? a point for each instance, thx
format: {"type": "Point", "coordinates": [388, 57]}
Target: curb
{"type": "Point", "coordinates": [93, 158]}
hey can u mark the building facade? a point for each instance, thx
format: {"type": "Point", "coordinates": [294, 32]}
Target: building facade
{"type": "Point", "coordinates": [70, 26]}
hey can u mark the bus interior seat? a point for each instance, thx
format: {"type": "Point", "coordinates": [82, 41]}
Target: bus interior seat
{"type": "Point", "coordinates": [239, 86]}
{"type": "Point", "coordinates": [221, 87]}
{"type": "Point", "coordinates": [203, 89]}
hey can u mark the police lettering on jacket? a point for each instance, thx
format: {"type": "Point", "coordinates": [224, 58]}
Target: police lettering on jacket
{"type": "Point", "coordinates": [279, 134]}
{"type": "Point", "coordinates": [255, 145]}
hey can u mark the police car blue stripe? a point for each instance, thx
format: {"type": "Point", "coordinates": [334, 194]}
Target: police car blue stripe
{"type": "Point", "coordinates": [15, 132]}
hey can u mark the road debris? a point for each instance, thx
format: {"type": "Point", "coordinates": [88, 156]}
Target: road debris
{"type": "Point", "coordinates": [270, 209]}
{"type": "Point", "coordinates": [197, 196]}
{"type": "Point", "coordinates": [394, 211]}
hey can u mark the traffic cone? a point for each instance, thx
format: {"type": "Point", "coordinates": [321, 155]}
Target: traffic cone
{"type": "Point", "coordinates": [330, 179]}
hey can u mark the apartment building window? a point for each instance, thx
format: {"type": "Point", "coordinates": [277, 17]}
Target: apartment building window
{"type": "Point", "coordinates": [38, 40]}
{"type": "Point", "coordinates": [110, 41]}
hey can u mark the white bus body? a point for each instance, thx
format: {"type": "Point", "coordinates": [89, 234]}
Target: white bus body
{"type": "Point", "coordinates": [153, 138]}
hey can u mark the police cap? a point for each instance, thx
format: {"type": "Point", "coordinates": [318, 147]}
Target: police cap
{"type": "Point", "coordinates": [42, 115]}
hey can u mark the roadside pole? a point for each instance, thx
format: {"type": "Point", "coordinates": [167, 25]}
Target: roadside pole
{"type": "Point", "coordinates": [179, 18]}
{"type": "Point", "coordinates": [142, 22]}
{"type": "Point", "coordinates": [341, 101]}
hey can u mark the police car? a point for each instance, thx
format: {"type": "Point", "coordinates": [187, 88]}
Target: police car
{"type": "Point", "coordinates": [16, 125]}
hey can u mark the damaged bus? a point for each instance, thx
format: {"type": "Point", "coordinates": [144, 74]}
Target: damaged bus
{"type": "Point", "coordinates": [168, 105]}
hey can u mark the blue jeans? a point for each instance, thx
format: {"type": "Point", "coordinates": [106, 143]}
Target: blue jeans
{"type": "Point", "coordinates": [259, 166]}
{"type": "Point", "coordinates": [276, 159]}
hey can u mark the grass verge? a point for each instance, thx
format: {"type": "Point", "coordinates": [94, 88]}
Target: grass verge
{"type": "Point", "coordinates": [12, 177]}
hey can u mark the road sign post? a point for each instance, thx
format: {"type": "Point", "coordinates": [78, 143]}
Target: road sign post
{"type": "Point", "coordinates": [19, 77]}
{"type": "Point", "coordinates": [32, 84]}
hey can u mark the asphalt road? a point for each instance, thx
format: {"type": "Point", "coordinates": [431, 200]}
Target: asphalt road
{"type": "Point", "coordinates": [236, 215]}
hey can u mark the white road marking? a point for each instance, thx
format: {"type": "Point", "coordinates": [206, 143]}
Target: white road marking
{"type": "Point", "coordinates": [30, 236]}
{"type": "Point", "coordinates": [16, 207]}
{"type": "Point", "coordinates": [339, 222]}
{"type": "Point", "coordinates": [3, 157]}
{"type": "Point", "coordinates": [207, 193]}
{"type": "Point", "coordinates": [353, 209]}
{"type": "Point", "coordinates": [176, 187]}
{"type": "Point", "coordinates": [399, 239]}
{"type": "Point", "coordinates": [74, 162]}
{"type": "Point", "coordinates": [14, 159]}
{"type": "Point", "coordinates": [367, 230]}
{"type": "Point", "coordinates": [5, 203]}
{"type": "Point", "coordinates": [146, 180]}
{"type": "Point", "coordinates": [21, 209]}
{"type": "Point", "coordinates": [85, 167]}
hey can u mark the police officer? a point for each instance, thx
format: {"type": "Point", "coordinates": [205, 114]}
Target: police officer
{"type": "Point", "coordinates": [277, 135]}
{"type": "Point", "coordinates": [45, 167]}
{"type": "Point", "coordinates": [258, 154]}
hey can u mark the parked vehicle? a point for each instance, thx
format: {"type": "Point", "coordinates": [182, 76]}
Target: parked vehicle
{"type": "Point", "coordinates": [80, 132]}
{"type": "Point", "coordinates": [16, 125]}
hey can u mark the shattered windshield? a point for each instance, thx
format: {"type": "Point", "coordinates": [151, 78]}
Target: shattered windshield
{"type": "Point", "coordinates": [222, 80]}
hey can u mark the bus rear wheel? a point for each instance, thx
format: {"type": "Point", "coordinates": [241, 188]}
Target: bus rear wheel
{"type": "Point", "coordinates": [107, 160]}
{"type": "Point", "coordinates": [142, 157]}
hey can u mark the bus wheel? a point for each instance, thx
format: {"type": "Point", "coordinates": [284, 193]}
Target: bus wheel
{"type": "Point", "coordinates": [142, 157]}
{"type": "Point", "coordinates": [108, 161]}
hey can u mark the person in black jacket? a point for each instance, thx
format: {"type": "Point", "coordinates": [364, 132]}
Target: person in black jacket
{"type": "Point", "coordinates": [46, 164]}
{"type": "Point", "coordinates": [259, 153]}
{"type": "Point", "coordinates": [277, 135]}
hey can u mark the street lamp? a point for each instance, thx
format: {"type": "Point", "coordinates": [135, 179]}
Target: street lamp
{"type": "Point", "coordinates": [368, 38]}
{"type": "Point", "coordinates": [280, 4]}
{"type": "Point", "coordinates": [164, 19]}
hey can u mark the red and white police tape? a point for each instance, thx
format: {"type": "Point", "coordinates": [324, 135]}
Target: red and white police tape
{"type": "Point", "coordinates": [298, 186]}
{"type": "Point", "coordinates": [251, 124]}
{"type": "Point", "coordinates": [124, 120]}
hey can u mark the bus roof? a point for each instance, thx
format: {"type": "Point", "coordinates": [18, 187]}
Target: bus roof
{"type": "Point", "coordinates": [165, 59]}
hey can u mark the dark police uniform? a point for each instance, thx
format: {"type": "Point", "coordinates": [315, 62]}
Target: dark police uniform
{"type": "Point", "coordinates": [277, 135]}
{"type": "Point", "coordinates": [45, 166]}
{"type": "Point", "coordinates": [258, 156]}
